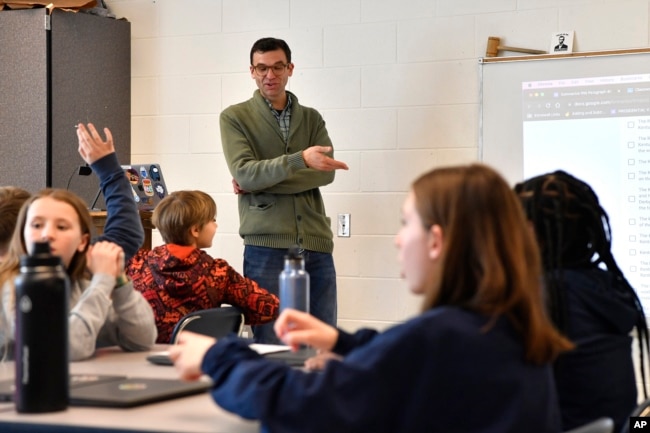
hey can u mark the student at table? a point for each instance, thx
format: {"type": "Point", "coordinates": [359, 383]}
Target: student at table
{"type": "Point", "coordinates": [589, 299]}
{"type": "Point", "coordinates": [179, 277]}
{"type": "Point", "coordinates": [478, 357]}
{"type": "Point", "coordinates": [104, 308]}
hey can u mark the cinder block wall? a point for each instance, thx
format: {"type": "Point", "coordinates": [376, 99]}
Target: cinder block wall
{"type": "Point", "coordinates": [397, 83]}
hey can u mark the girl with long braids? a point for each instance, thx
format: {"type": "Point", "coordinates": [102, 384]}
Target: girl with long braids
{"type": "Point", "coordinates": [589, 299]}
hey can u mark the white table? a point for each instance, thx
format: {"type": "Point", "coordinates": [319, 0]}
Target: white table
{"type": "Point", "coordinates": [193, 414]}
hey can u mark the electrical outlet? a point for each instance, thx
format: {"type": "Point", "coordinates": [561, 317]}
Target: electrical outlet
{"type": "Point", "coordinates": [344, 225]}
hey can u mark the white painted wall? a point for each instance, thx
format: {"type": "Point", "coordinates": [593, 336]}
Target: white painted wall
{"type": "Point", "coordinates": [396, 81]}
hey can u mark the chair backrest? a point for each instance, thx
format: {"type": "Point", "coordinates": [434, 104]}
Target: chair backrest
{"type": "Point", "coordinates": [215, 322]}
{"type": "Point", "coordinates": [642, 409]}
{"type": "Point", "coordinates": [601, 425]}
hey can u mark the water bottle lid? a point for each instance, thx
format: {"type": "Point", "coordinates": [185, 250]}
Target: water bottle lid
{"type": "Point", "coordinates": [293, 253]}
{"type": "Point", "coordinates": [41, 256]}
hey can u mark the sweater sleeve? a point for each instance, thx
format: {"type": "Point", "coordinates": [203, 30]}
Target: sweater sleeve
{"type": "Point", "coordinates": [7, 319]}
{"type": "Point", "coordinates": [105, 316]}
{"type": "Point", "coordinates": [247, 142]}
{"type": "Point", "coordinates": [130, 323]}
{"type": "Point", "coordinates": [88, 316]}
{"type": "Point", "coordinates": [347, 342]}
{"type": "Point", "coordinates": [346, 396]}
{"type": "Point", "coordinates": [123, 225]}
{"type": "Point", "coordinates": [302, 181]}
{"type": "Point", "coordinates": [309, 178]}
{"type": "Point", "coordinates": [258, 305]}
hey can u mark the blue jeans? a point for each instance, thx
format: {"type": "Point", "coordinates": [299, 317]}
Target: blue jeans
{"type": "Point", "coordinates": [263, 265]}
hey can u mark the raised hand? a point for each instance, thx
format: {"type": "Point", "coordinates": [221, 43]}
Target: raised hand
{"type": "Point", "coordinates": [91, 145]}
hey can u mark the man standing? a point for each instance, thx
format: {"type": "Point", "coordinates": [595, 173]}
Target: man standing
{"type": "Point", "coordinates": [279, 154]}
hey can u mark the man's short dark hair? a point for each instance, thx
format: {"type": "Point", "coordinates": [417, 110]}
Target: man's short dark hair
{"type": "Point", "coordinates": [270, 44]}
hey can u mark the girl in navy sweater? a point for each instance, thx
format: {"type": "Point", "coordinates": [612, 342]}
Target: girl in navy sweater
{"type": "Point", "coordinates": [477, 359]}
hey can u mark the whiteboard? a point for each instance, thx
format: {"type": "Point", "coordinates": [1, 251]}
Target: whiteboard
{"type": "Point", "coordinates": [501, 78]}
{"type": "Point", "coordinates": [587, 114]}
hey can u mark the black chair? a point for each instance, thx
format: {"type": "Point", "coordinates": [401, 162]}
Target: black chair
{"type": "Point", "coordinates": [215, 322]}
{"type": "Point", "coordinates": [642, 409]}
{"type": "Point", "coordinates": [601, 425]}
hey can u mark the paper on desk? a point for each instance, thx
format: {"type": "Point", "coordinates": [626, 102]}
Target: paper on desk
{"type": "Point", "coordinates": [265, 349]}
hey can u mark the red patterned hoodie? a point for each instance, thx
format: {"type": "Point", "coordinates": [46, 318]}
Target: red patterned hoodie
{"type": "Point", "coordinates": [177, 280]}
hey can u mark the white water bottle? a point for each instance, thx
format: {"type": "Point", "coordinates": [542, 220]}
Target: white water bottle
{"type": "Point", "coordinates": [294, 282]}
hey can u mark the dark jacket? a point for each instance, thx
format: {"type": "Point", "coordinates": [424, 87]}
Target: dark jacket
{"type": "Point", "coordinates": [597, 378]}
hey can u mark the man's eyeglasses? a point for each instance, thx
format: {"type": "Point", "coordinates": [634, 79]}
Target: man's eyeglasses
{"type": "Point", "coordinates": [278, 69]}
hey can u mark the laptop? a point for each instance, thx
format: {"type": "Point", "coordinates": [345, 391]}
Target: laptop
{"type": "Point", "coordinates": [134, 391]}
{"type": "Point", "coordinates": [8, 386]}
{"type": "Point", "coordinates": [147, 184]}
{"type": "Point", "coordinates": [119, 391]}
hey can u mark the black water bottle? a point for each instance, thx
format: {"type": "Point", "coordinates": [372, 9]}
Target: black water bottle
{"type": "Point", "coordinates": [41, 344]}
{"type": "Point", "coordinates": [294, 282]}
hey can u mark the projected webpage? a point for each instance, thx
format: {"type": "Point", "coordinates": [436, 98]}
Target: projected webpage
{"type": "Point", "coordinates": [598, 129]}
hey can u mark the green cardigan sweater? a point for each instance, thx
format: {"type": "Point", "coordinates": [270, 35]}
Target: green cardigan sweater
{"type": "Point", "coordinates": [283, 205]}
